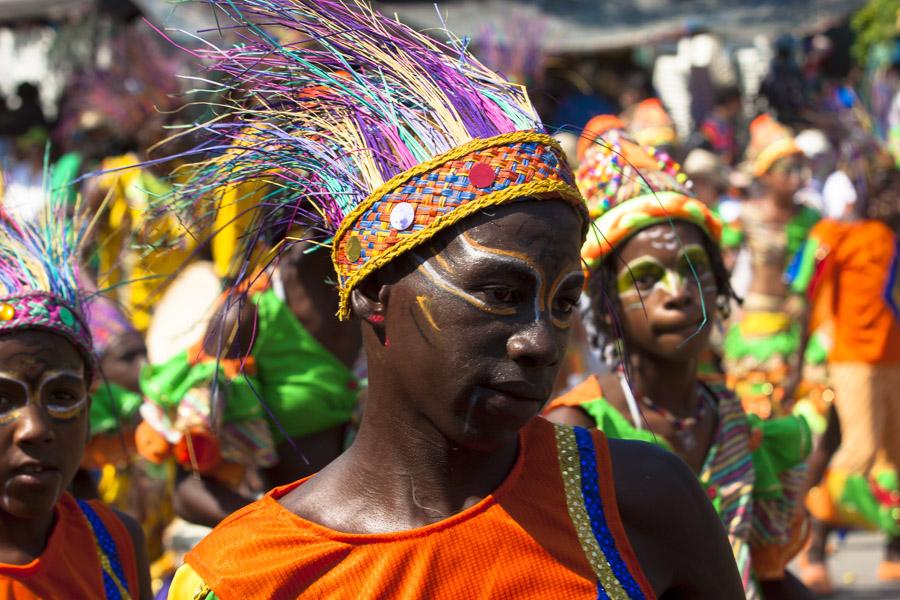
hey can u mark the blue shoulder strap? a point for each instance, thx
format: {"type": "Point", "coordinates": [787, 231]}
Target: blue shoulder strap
{"type": "Point", "coordinates": [114, 582]}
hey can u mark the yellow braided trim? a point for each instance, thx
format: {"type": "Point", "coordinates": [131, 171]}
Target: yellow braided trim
{"type": "Point", "coordinates": [558, 189]}
{"type": "Point", "coordinates": [771, 153]}
{"type": "Point", "coordinates": [107, 568]}
{"type": "Point", "coordinates": [570, 469]}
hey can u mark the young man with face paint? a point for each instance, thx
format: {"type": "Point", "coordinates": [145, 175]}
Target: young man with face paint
{"type": "Point", "coordinates": [761, 357]}
{"type": "Point", "coordinates": [655, 281]}
{"type": "Point", "coordinates": [52, 545]}
{"type": "Point", "coordinates": [455, 236]}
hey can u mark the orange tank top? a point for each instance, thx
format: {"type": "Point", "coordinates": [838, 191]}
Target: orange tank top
{"type": "Point", "coordinates": [70, 565]}
{"type": "Point", "coordinates": [551, 530]}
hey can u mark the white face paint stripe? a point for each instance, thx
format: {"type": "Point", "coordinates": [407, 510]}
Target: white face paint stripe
{"type": "Point", "coordinates": [475, 250]}
{"type": "Point", "coordinates": [440, 281]}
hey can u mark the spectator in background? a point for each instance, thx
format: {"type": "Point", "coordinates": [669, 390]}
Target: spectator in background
{"type": "Point", "coordinates": [783, 87]}
{"type": "Point", "coordinates": [719, 129]}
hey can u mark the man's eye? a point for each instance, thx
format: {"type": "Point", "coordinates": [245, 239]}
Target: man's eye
{"type": "Point", "coordinates": [501, 295]}
{"type": "Point", "coordinates": [565, 305]}
{"type": "Point", "coordinates": [63, 398]}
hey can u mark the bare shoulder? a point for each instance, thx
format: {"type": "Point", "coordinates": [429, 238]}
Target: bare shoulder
{"type": "Point", "coordinates": [679, 540]}
{"type": "Point", "coordinates": [644, 474]}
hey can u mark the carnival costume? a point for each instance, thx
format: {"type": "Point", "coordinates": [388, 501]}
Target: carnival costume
{"type": "Point", "coordinates": [754, 469]}
{"type": "Point", "coordinates": [849, 273]}
{"type": "Point", "coordinates": [758, 348]}
{"type": "Point", "coordinates": [376, 138]}
{"type": "Point", "coordinates": [89, 552]}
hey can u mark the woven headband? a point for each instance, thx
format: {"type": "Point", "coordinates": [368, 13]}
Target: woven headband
{"type": "Point", "coordinates": [412, 207]}
{"type": "Point", "coordinates": [620, 222]}
{"type": "Point", "coordinates": [46, 312]}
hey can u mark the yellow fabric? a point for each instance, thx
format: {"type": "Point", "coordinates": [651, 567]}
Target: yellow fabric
{"type": "Point", "coordinates": [124, 236]}
{"type": "Point", "coordinates": [186, 584]}
{"type": "Point", "coordinates": [764, 323]}
{"type": "Point", "coordinates": [233, 219]}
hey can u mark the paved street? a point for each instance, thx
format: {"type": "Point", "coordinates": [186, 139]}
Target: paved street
{"type": "Point", "coordinates": [853, 569]}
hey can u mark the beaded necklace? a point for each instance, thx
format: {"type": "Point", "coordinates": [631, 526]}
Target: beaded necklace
{"type": "Point", "coordinates": [683, 426]}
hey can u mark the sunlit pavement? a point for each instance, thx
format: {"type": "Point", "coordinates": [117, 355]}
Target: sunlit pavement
{"type": "Point", "coordinates": [853, 567]}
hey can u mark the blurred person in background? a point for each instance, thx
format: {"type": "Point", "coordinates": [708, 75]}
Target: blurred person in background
{"type": "Point", "coordinates": [850, 276]}
{"type": "Point", "coordinates": [784, 87]}
{"type": "Point", "coordinates": [652, 125]}
{"type": "Point", "coordinates": [718, 131]}
{"type": "Point", "coordinates": [761, 347]}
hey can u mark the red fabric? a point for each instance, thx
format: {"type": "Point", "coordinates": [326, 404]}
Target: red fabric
{"type": "Point", "coordinates": [70, 567]}
{"type": "Point", "coordinates": [517, 543]}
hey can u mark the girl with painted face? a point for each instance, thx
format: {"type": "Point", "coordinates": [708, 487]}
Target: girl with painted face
{"type": "Point", "coordinates": [455, 232]}
{"type": "Point", "coordinates": [655, 282]}
{"type": "Point", "coordinates": [52, 545]}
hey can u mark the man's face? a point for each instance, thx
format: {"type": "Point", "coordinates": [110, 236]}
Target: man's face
{"type": "Point", "coordinates": [476, 329]}
{"type": "Point", "coordinates": [664, 282]}
{"type": "Point", "coordinates": [43, 420]}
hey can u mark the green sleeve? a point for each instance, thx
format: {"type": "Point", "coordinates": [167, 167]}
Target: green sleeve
{"type": "Point", "coordinates": [786, 443]}
{"type": "Point", "coordinates": [168, 383]}
{"type": "Point", "coordinates": [112, 405]}
{"type": "Point", "coordinates": [305, 387]}
{"type": "Point", "coordinates": [615, 425]}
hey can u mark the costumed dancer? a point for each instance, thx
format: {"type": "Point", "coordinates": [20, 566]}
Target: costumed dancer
{"type": "Point", "coordinates": [280, 366]}
{"type": "Point", "coordinates": [849, 275]}
{"type": "Point", "coordinates": [655, 279]}
{"type": "Point", "coordinates": [761, 357]}
{"type": "Point", "coordinates": [52, 545]}
{"type": "Point", "coordinates": [431, 181]}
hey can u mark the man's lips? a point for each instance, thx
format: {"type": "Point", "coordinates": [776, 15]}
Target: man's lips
{"type": "Point", "coordinates": [519, 391]}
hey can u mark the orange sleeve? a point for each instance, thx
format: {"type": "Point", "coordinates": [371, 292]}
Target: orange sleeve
{"type": "Point", "coordinates": [586, 391]}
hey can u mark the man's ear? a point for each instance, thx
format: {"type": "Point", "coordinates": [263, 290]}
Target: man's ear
{"type": "Point", "coordinates": [369, 301]}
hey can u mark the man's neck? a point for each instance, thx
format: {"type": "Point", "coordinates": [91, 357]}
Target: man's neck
{"type": "Point", "coordinates": [411, 474]}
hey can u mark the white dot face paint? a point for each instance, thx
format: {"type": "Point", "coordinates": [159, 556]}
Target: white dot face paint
{"type": "Point", "coordinates": [663, 239]}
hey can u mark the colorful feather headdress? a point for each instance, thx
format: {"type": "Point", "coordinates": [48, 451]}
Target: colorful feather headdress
{"type": "Point", "coordinates": [39, 272]}
{"type": "Point", "coordinates": [367, 134]}
{"type": "Point", "coordinates": [629, 187]}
